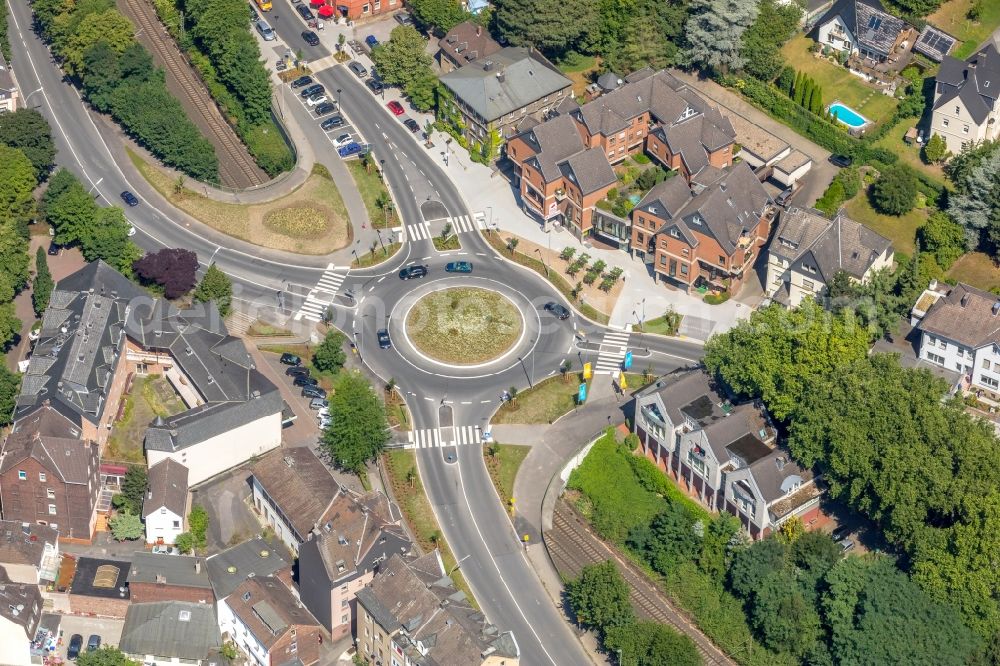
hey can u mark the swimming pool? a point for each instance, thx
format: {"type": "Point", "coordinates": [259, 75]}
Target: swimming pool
{"type": "Point", "coordinates": [847, 115]}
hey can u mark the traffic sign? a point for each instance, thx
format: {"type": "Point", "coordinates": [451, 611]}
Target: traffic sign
{"type": "Point", "coordinates": [628, 360]}
{"type": "Point", "coordinates": [581, 394]}
{"type": "Point", "coordinates": [622, 384]}
{"type": "Point", "coordinates": [587, 370]}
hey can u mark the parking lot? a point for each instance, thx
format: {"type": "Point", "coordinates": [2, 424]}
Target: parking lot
{"type": "Point", "coordinates": [109, 630]}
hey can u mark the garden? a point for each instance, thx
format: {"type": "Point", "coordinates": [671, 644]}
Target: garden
{"type": "Point", "coordinates": [464, 325]}
{"type": "Point", "coordinates": [147, 398]}
{"type": "Point", "coordinates": [545, 402]}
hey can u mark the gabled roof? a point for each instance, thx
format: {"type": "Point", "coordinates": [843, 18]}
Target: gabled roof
{"type": "Point", "coordinates": [966, 315]}
{"type": "Point", "coordinates": [168, 487]}
{"type": "Point", "coordinates": [589, 170]}
{"type": "Point", "coordinates": [166, 629]}
{"type": "Point", "coordinates": [777, 474]}
{"type": "Point", "coordinates": [506, 81]}
{"type": "Point", "coordinates": [258, 557]}
{"type": "Point", "coordinates": [49, 438]}
{"type": "Point", "coordinates": [467, 42]}
{"type": "Point", "coordinates": [868, 21]}
{"type": "Point", "coordinates": [24, 543]}
{"type": "Point", "coordinates": [744, 433]}
{"type": "Point", "coordinates": [659, 94]}
{"type": "Point", "coordinates": [21, 604]}
{"type": "Point", "coordinates": [838, 245]}
{"type": "Point", "coordinates": [268, 609]}
{"type": "Point", "coordinates": [729, 208]}
{"type": "Point", "coordinates": [976, 82]}
{"type": "Point", "coordinates": [666, 199]}
{"type": "Point", "coordinates": [553, 141]}
{"type": "Point", "coordinates": [176, 570]}
{"type": "Point", "coordinates": [300, 484]}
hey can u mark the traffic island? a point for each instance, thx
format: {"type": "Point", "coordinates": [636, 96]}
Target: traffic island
{"type": "Point", "coordinates": [464, 325]}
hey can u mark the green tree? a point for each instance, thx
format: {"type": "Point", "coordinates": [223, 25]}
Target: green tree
{"type": "Point", "coordinates": [599, 597]}
{"type": "Point", "coordinates": [134, 487]}
{"type": "Point", "coordinates": [976, 203]}
{"type": "Point", "coordinates": [942, 237]}
{"type": "Point", "coordinates": [10, 385]}
{"type": "Point", "coordinates": [715, 31]}
{"type": "Point", "coordinates": [10, 325]}
{"type": "Point", "coordinates": [17, 181]}
{"type": "Point", "coordinates": [437, 16]}
{"type": "Point", "coordinates": [28, 131]}
{"type": "Point", "coordinates": [403, 62]}
{"type": "Point", "coordinates": [895, 191]}
{"type": "Point", "coordinates": [936, 149]}
{"type": "Point", "coordinates": [41, 290]}
{"type": "Point", "coordinates": [198, 525]}
{"type": "Point", "coordinates": [217, 287]}
{"type": "Point", "coordinates": [783, 615]}
{"type": "Point", "coordinates": [185, 542]}
{"type": "Point", "coordinates": [110, 27]}
{"type": "Point", "coordinates": [329, 355]}
{"type": "Point", "coordinates": [645, 643]}
{"type": "Point", "coordinates": [775, 24]}
{"type": "Point", "coordinates": [14, 262]}
{"type": "Point", "coordinates": [358, 428]}
{"type": "Point", "coordinates": [554, 28]}
{"type": "Point", "coordinates": [126, 526]}
{"type": "Point", "coordinates": [105, 656]}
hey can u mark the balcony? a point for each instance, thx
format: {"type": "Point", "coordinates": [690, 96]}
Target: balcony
{"type": "Point", "coordinates": [560, 194]}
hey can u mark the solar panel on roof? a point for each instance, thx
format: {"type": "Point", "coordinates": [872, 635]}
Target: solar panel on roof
{"type": "Point", "coordinates": [872, 20]}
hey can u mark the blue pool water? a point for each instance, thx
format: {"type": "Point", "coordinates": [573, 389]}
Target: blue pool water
{"type": "Point", "coordinates": [847, 115]}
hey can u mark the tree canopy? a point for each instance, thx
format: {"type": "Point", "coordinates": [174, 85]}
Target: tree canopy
{"type": "Point", "coordinates": [105, 656]}
{"type": "Point", "coordinates": [599, 597]}
{"type": "Point", "coordinates": [17, 181]}
{"type": "Point", "coordinates": [552, 27]}
{"type": "Point", "coordinates": [775, 24]}
{"type": "Point", "coordinates": [645, 643]}
{"type": "Point", "coordinates": [28, 131]}
{"type": "Point", "coordinates": [403, 62]}
{"type": "Point", "coordinates": [976, 202]}
{"type": "Point", "coordinates": [438, 16]}
{"type": "Point", "coordinates": [358, 428]}
{"type": "Point", "coordinates": [715, 31]}
{"type": "Point", "coordinates": [329, 355]}
{"type": "Point", "coordinates": [174, 269]}
{"type": "Point", "coordinates": [895, 191]}
{"type": "Point", "coordinates": [217, 287]}
{"type": "Point", "coordinates": [126, 526]}
{"type": "Point", "coordinates": [41, 289]}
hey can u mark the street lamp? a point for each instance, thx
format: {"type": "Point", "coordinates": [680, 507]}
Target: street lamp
{"type": "Point", "coordinates": [521, 361]}
{"type": "Point", "coordinates": [458, 564]}
{"type": "Point", "coordinates": [30, 94]}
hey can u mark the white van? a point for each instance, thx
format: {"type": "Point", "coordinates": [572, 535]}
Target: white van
{"type": "Point", "coordinates": [265, 31]}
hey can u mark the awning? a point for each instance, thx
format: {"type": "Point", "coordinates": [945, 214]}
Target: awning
{"type": "Point", "coordinates": [316, 3]}
{"type": "Point", "coordinates": [326, 11]}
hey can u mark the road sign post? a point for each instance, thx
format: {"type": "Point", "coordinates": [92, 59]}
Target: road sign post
{"type": "Point", "coordinates": [627, 363]}
{"type": "Point", "coordinates": [581, 394]}
{"type": "Point", "coordinates": [588, 372]}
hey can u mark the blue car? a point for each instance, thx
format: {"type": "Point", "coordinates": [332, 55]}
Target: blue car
{"type": "Point", "coordinates": [352, 148]}
{"type": "Point", "coordinates": [371, 41]}
{"type": "Point", "coordinates": [458, 267]}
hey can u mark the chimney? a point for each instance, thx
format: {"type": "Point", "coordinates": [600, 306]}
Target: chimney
{"type": "Point", "coordinates": [965, 299]}
{"type": "Point", "coordinates": [996, 308]}
{"type": "Point", "coordinates": [500, 76]}
{"type": "Point", "coordinates": [161, 579]}
{"type": "Point", "coordinates": [197, 566]}
{"type": "Point", "coordinates": [479, 30]}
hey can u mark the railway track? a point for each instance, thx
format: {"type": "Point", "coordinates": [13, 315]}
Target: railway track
{"type": "Point", "coordinates": [236, 167]}
{"type": "Point", "coordinates": [572, 546]}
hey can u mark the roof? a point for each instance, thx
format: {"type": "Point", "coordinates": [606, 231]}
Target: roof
{"type": "Point", "coordinates": [300, 484]}
{"type": "Point", "coordinates": [744, 433]}
{"type": "Point", "coordinates": [49, 438]}
{"type": "Point", "coordinates": [467, 42]}
{"type": "Point", "coordinates": [257, 557]}
{"type": "Point", "coordinates": [589, 170]}
{"type": "Point", "coordinates": [609, 81]}
{"type": "Point", "coordinates": [755, 139]}
{"type": "Point", "coordinates": [868, 21]}
{"type": "Point", "coordinates": [934, 43]}
{"type": "Point", "coordinates": [660, 94]}
{"type": "Point", "coordinates": [6, 76]}
{"type": "Point", "coordinates": [268, 609]}
{"type": "Point", "coordinates": [695, 137]}
{"type": "Point", "coordinates": [510, 79]}
{"type": "Point", "coordinates": [20, 603]}
{"type": "Point", "coordinates": [777, 474]}
{"type": "Point", "coordinates": [792, 161]}
{"type": "Point", "coordinates": [966, 315]}
{"type": "Point", "coordinates": [24, 543]}
{"type": "Point", "coordinates": [79, 345]}
{"type": "Point", "coordinates": [831, 246]}
{"type": "Point", "coordinates": [553, 141]}
{"type": "Point", "coordinates": [180, 629]}
{"type": "Point", "coordinates": [168, 488]}
{"type": "Point", "coordinates": [729, 208]}
{"type": "Point", "coordinates": [96, 577]}
{"type": "Point", "coordinates": [976, 82]}
{"type": "Point", "coordinates": [176, 570]}
{"type": "Point", "coordinates": [690, 395]}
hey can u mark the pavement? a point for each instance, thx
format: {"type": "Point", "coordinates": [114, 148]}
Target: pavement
{"type": "Point", "coordinates": [226, 498]}
{"type": "Point", "coordinates": [110, 630]}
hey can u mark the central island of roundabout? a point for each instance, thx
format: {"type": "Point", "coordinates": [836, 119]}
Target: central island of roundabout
{"type": "Point", "coordinates": [464, 325]}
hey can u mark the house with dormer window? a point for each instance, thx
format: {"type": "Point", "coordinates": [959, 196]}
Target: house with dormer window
{"type": "Point", "coordinates": [863, 28]}
{"type": "Point", "coordinates": [966, 106]}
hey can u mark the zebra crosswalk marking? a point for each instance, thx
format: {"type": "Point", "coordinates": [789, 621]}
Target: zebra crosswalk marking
{"type": "Point", "coordinates": [612, 352]}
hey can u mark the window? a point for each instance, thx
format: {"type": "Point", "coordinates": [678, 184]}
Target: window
{"type": "Point", "coordinates": [809, 284]}
{"type": "Point", "coordinates": [177, 524]}
{"type": "Point", "coordinates": [611, 141]}
{"type": "Point", "coordinates": [934, 358]}
{"type": "Point", "coordinates": [163, 511]}
{"type": "Point", "coordinates": [52, 509]}
{"type": "Point", "coordinates": [343, 588]}
{"type": "Point", "coordinates": [684, 269]}
{"type": "Point", "coordinates": [989, 381]}
{"type": "Point", "coordinates": [942, 344]}
{"type": "Point", "coordinates": [965, 130]}
{"type": "Point", "coordinates": [378, 5]}
{"type": "Point", "coordinates": [685, 252]}
{"type": "Point", "coordinates": [22, 475]}
{"type": "Point", "coordinates": [945, 122]}
{"type": "Point", "coordinates": [986, 364]}
{"type": "Point", "coordinates": [49, 493]}
{"type": "Point", "coordinates": [246, 596]}
{"type": "Point", "coordinates": [663, 260]}
{"type": "Point", "coordinates": [343, 603]}
{"type": "Point", "coordinates": [722, 260]}
{"type": "Point", "coordinates": [294, 646]}
{"type": "Point", "coordinates": [365, 9]}
{"type": "Point", "coordinates": [958, 110]}
{"type": "Point", "coordinates": [41, 477]}
{"type": "Point", "coordinates": [345, 619]}
{"type": "Point", "coordinates": [674, 232]}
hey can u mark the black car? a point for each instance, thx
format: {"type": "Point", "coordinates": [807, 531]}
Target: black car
{"type": "Point", "coordinates": [840, 533]}
{"type": "Point", "coordinates": [358, 69]}
{"type": "Point", "coordinates": [325, 108]}
{"type": "Point", "coordinates": [75, 645]}
{"type": "Point", "coordinates": [54, 249]}
{"type": "Point", "coordinates": [412, 272]}
{"type": "Point", "coordinates": [129, 198]}
{"type": "Point", "coordinates": [305, 12]}
{"type": "Point", "coordinates": [330, 123]}
{"type": "Point", "coordinates": [302, 81]}
{"type": "Point", "coordinates": [312, 90]}
{"type": "Point", "coordinates": [383, 338]}
{"type": "Point", "coordinates": [375, 86]}
{"type": "Point", "coordinates": [312, 39]}
{"type": "Point", "coordinates": [313, 392]}
{"type": "Point", "coordinates": [297, 370]}
{"type": "Point", "coordinates": [785, 196]}
{"type": "Point", "coordinates": [842, 161]}
{"type": "Point", "coordinates": [290, 359]}
{"type": "Point", "coordinates": [560, 311]}
{"type": "Point", "coordinates": [412, 125]}
{"type": "Point", "coordinates": [93, 643]}
{"type": "Point", "coordinates": [305, 380]}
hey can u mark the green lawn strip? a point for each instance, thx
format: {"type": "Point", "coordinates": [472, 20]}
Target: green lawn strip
{"type": "Point", "coordinates": [544, 403]}
{"type": "Point", "coordinates": [657, 326]}
{"type": "Point", "coordinates": [910, 153]}
{"type": "Point", "coordinates": [144, 402]}
{"type": "Point", "coordinates": [264, 330]}
{"type": "Point", "coordinates": [370, 186]}
{"type": "Point", "coordinates": [952, 18]}
{"type": "Point", "coordinates": [449, 243]}
{"type": "Point", "coordinates": [902, 230]}
{"type": "Point", "coordinates": [977, 269]}
{"type": "Point", "coordinates": [371, 259]}
{"type": "Point", "coordinates": [503, 467]}
{"type": "Point", "coordinates": [416, 508]}
{"type": "Point", "coordinates": [552, 276]}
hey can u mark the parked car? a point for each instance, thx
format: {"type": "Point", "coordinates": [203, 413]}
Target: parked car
{"type": "Point", "coordinates": [313, 392]}
{"type": "Point", "coordinates": [371, 41]}
{"type": "Point", "coordinates": [375, 86]}
{"type": "Point", "coordinates": [54, 249]}
{"type": "Point", "coordinates": [305, 13]}
{"type": "Point", "coordinates": [383, 338]}
{"type": "Point", "coordinates": [254, 16]}
{"type": "Point", "coordinates": [842, 161]}
{"type": "Point", "coordinates": [403, 18]}
{"type": "Point", "coordinates": [312, 90]}
{"type": "Point", "coordinates": [846, 545]}
{"type": "Point", "coordinates": [93, 643]}
{"type": "Point", "coordinates": [458, 267]}
{"type": "Point", "coordinates": [305, 380]}
{"type": "Point", "coordinates": [342, 140]}
{"type": "Point", "coordinates": [358, 69]}
{"type": "Point", "coordinates": [413, 272]}
{"type": "Point", "coordinates": [332, 123]}
{"type": "Point", "coordinates": [350, 149]}
{"type": "Point", "coordinates": [318, 98]}
{"type": "Point", "coordinates": [318, 403]}
{"type": "Point", "coordinates": [324, 422]}
{"type": "Point", "coordinates": [302, 81]}
{"type": "Point", "coordinates": [396, 108]}
{"type": "Point", "coordinates": [310, 37]}
{"type": "Point", "coordinates": [785, 196]}
{"type": "Point", "coordinates": [297, 370]}
{"type": "Point", "coordinates": [75, 645]}
{"type": "Point", "coordinates": [412, 125]}
{"type": "Point", "coordinates": [290, 359]}
{"type": "Point", "coordinates": [130, 198]}
{"type": "Point", "coordinates": [266, 31]}
{"type": "Point", "coordinates": [131, 231]}
{"type": "Point", "coordinates": [163, 549]}
{"type": "Point", "coordinates": [560, 311]}
{"type": "Point", "coordinates": [840, 533]}
{"type": "Point", "coordinates": [325, 108]}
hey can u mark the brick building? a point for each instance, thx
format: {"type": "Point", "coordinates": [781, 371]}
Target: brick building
{"type": "Point", "coordinates": [465, 43]}
{"type": "Point", "coordinates": [99, 587]}
{"type": "Point", "coordinates": [155, 577]}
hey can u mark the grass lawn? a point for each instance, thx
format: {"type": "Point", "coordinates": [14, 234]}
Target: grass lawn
{"type": "Point", "coordinates": [449, 243]}
{"type": "Point", "coordinates": [464, 325]}
{"type": "Point", "coordinates": [657, 326]}
{"type": "Point", "coordinates": [951, 17]}
{"type": "Point", "coordinates": [372, 188]}
{"type": "Point", "coordinates": [396, 412]}
{"type": "Point", "coordinates": [977, 269]}
{"type": "Point", "coordinates": [579, 69]}
{"type": "Point", "coordinates": [264, 330]}
{"type": "Point", "coordinates": [838, 83]}
{"type": "Point", "coordinates": [902, 230]}
{"type": "Point", "coordinates": [376, 257]}
{"type": "Point", "coordinates": [547, 401]}
{"type": "Point", "coordinates": [401, 468]}
{"type": "Point", "coordinates": [149, 397]}
{"type": "Point", "coordinates": [502, 462]}
{"type": "Point", "coordinates": [910, 154]}
{"type": "Point", "coordinates": [311, 220]}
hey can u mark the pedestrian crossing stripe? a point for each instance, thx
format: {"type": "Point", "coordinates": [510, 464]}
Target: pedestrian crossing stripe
{"type": "Point", "coordinates": [464, 224]}
{"type": "Point", "coordinates": [418, 231]}
{"type": "Point", "coordinates": [612, 352]}
{"type": "Point", "coordinates": [329, 283]}
{"type": "Point", "coordinates": [331, 280]}
{"type": "Point", "coordinates": [430, 438]}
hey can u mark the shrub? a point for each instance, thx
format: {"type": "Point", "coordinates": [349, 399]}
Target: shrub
{"type": "Point", "coordinates": [717, 299]}
{"type": "Point", "coordinates": [267, 145]}
{"type": "Point", "coordinates": [942, 237]}
{"type": "Point", "coordinates": [895, 191]}
{"type": "Point", "coordinates": [832, 198]}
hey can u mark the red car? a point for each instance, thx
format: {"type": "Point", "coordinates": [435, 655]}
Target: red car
{"type": "Point", "coordinates": [396, 108]}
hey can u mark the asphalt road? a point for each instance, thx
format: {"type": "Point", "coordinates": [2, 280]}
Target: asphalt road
{"type": "Point", "coordinates": [459, 488]}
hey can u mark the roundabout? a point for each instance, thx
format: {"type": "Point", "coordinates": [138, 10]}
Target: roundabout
{"type": "Point", "coordinates": [464, 326]}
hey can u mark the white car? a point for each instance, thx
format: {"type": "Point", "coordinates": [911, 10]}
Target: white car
{"type": "Point", "coordinates": [323, 413]}
{"type": "Point", "coordinates": [318, 98]}
{"type": "Point", "coordinates": [131, 231]}
{"type": "Point", "coordinates": [324, 423]}
{"type": "Point", "coordinates": [343, 140]}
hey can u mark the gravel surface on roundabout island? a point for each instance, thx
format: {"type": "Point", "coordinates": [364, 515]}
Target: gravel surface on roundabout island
{"type": "Point", "coordinates": [464, 325]}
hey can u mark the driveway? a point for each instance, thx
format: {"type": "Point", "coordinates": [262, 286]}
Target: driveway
{"type": "Point", "coordinates": [226, 499]}
{"type": "Point", "coordinates": [304, 431]}
{"type": "Point", "coordinates": [109, 630]}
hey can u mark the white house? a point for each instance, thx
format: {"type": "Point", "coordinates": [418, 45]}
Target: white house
{"type": "Point", "coordinates": [965, 99]}
{"type": "Point", "coordinates": [8, 88]}
{"type": "Point", "coordinates": [862, 27]}
{"type": "Point", "coordinates": [20, 613]}
{"type": "Point", "coordinates": [165, 504]}
{"type": "Point", "coordinates": [808, 249]}
{"type": "Point", "coordinates": [770, 491]}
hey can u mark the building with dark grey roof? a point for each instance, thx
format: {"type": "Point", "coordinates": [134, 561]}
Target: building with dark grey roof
{"type": "Point", "coordinates": [465, 43]}
{"type": "Point", "coordinates": [808, 250]}
{"type": "Point", "coordinates": [965, 99]}
{"type": "Point", "coordinates": [493, 94]}
{"type": "Point", "coordinates": [29, 551]}
{"type": "Point", "coordinates": [168, 631]}
{"type": "Point", "coordinates": [165, 504]}
{"type": "Point", "coordinates": [862, 27]}
{"type": "Point", "coordinates": [20, 614]}
{"type": "Point", "coordinates": [257, 557]}
{"type": "Point", "coordinates": [161, 577]}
